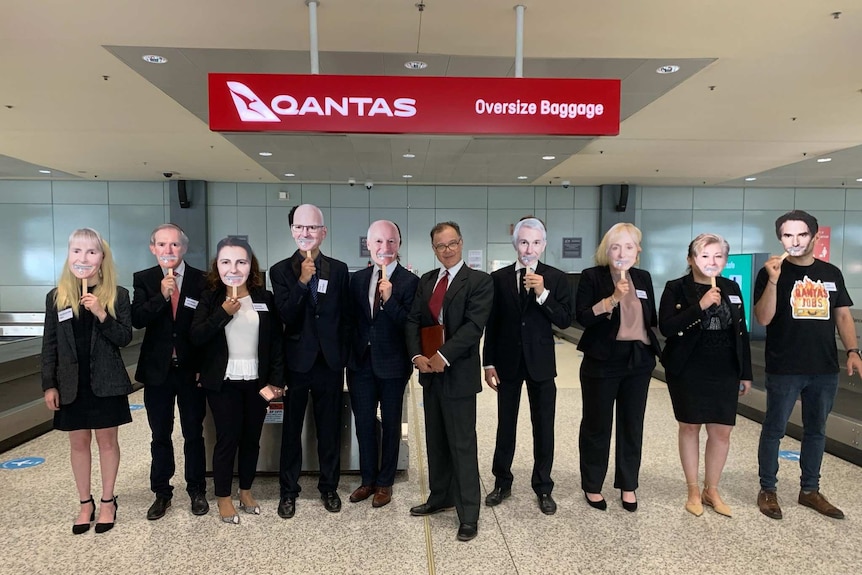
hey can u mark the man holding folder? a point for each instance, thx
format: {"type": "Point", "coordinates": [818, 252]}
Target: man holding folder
{"type": "Point", "coordinates": [456, 300]}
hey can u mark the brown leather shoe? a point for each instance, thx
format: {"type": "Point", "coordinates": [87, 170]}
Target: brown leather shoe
{"type": "Point", "coordinates": [382, 497]}
{"type": "Point", "coordinates": [767, 501]}
{"type": "Point", "coordinates": [818, 503]}
{"type": "Point", "coordinates": [362, 493]}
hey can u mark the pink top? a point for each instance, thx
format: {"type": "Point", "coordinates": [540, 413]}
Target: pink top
{"type": "Point", "coordinates": [632, 326]}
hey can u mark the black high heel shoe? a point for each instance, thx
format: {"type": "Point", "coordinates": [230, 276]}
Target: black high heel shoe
{"type": "Point", "coordinates": [103, 527]}
{"type": "Point", "coordinates": [79, 528]}
{"type": "Point", "coordinates": [601, 504]}
{"type": "Point", "coordinates": [628, 506]}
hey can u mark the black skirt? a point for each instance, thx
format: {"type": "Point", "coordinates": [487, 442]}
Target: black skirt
{"type": "Point", "coordinates": [89, 411]}
{"type": "Point", "coordinates": [707, 389]}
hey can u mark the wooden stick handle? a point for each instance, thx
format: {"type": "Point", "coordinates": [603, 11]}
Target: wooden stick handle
{"type": "Point", "coordinates": [383, 271]}
{"type": "Point", "coordinates": [712, 280]}
{"type": "Point", "coordinates": [83, 286]}
{"type": "Point", "coordinates": [233, 291]}
{"type": "Point", "coordinates": [623, 273]}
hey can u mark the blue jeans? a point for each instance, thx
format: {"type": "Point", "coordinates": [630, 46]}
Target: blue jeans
{"type": "Point", "coordinates": [817, 393]}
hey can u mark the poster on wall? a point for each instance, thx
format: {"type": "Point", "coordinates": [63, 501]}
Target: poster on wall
{"type": "Point", "coordinates": [363, 247]}
{"type": "Point", "coordinates": [474, 259]}
{"type": "Point", "coordinates": [822, 243]}
{"type": "Point", "coordinates": [572, 248]}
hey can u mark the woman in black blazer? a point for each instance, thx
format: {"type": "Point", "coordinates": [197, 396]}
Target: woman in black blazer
{"type": "Point", "coordinates": [238, 329]}
{"type": "Point", "coordinates": [88, 318]}
{"type": "Point", "coordinates": [707, 361]}
{"type": "Point", "coordinates": [616, 305]}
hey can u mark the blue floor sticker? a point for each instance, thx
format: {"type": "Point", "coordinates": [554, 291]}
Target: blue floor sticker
{"type": "Point", "coordinates": [22, 463]}
{"type": "Point", "coordinates": [135, 407]}
{"type": "Point", "coordinates": [789, 455]}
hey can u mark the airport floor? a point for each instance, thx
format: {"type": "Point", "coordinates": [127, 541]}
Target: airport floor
{"type": "Point", "coordinates": [514, 538]}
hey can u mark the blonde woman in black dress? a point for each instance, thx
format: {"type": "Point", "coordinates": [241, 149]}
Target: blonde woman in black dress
{"type": "Point", "coordinates": [88, 318]}
{"type": "Point", "coordinates": [707, 361]}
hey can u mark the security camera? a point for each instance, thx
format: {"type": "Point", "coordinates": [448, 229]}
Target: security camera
{"type": "Point", "coordinates": [351, 182]}
{"type": "Point", "coordinates": [369, 184]}
{"type": "Point", "coordinates": [168, 174]}
{"type": "Point", "coordinates": [566, 184]}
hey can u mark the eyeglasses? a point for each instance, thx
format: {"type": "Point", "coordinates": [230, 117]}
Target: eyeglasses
{"type": "Point", "coordinates": [312, 229]}
{"type": "Point", "coordinates": [440, 248]}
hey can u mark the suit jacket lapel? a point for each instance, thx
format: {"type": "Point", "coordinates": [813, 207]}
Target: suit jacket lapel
{"type": "Point", "coordinates": [322, 274]}
{"type": "Point", "coordinates": [455, 286]}
{"type": "Point", "coordinates": [366, 289]}
{"type": "Point", "coordinates": [69, 335]}
{"type": "Point", "coordinates": [511, 278]}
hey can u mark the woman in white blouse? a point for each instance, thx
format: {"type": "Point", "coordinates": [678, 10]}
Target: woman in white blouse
{"type": "Point", "coordinates": [239, 331]}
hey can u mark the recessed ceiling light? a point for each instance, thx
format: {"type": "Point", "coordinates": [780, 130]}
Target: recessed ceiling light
{"type": "Point", "coordinates": [44, 171]}
{"type": "Point", "coordinates": [523, 178]}
{"type": "Point", "coordinates": [289, 175]}
{"type": "Point", "coordinates": [669, 69]}
{"type": "Point", "coordinates": [264, 154]}
{"type": "Point", "coordinates": [750, 179]}
{"type": "Point", "coordinates": [415, 65]}
{"type": "Point", "coordinates": [549, 157]}
{"type": "Point", "coordinates": [407, 176]}
{"type": "Point", "coordinates": [859, 179]}
{"type": "Point", "coordinates": [155, 59]}
{"type": "Point", "coordinates": [823, 160]}
{"type": "Point", "coordinates": [408, 155]}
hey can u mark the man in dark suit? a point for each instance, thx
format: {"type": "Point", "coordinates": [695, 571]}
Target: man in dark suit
{"type": "Point", "coordinates": [164, 303]}
{"type": "Point", "coordinates": [379, 366]}
{"type": "Point", "coordinates": [459, 299]}
{"type": "Point", "coordinates": [529, 297]}
{"type": "Point", "coordinates": [312, 296]}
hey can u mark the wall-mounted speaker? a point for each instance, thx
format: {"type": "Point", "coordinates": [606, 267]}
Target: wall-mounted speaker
{"type": "Point", "coordinates": [623, 200]}
{"type": "Point", "coordinates": [183, 194]}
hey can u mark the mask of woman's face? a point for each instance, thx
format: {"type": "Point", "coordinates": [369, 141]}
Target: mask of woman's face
{"type": "Point", "coordinates": [234, 265]}
{"type": "Point", "coordinates": [710, 261]}
{"type": "Point", "coordinates": [623, 251]}
{"type": "Point", "coordinates": [85, 257]}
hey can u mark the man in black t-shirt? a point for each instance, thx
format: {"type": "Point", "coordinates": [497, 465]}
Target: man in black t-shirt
{"type": "Point", "coordinates": [801, 301]}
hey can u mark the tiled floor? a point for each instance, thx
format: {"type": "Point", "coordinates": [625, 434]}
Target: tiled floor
{"type": "Point", "coordinates": [514, 538]}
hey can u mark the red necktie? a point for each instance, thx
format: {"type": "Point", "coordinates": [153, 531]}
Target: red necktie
{"type": "Point", "coordinates": [175, 298]}
{"type": "Point", "coordinates": [435, 304]}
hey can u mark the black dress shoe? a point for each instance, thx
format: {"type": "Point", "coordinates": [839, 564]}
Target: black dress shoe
{"type": "Point", "coordinates": [601, 504]}
{"type": "Point", "coordinates": [79, 528]}
{"type": "Point", "coordinates": [467, 531]}
{"type": "Point", "coordinates": [427, 509]}
{"type": "Point", "coordinates": [547, 504]}
{"type": "Point", "coordinates": [331, 501]}
{"type": "Point", "coordinates": [287, 507]}
{"type": "Point", "coordinates": [200, 506]}
{"type": "Point", "coordinates": [631, 507]}
{"type": "Point", "coordinates": [105, 527]}
{"type": "Point", "coordinates": [497, 496]}
{"type": "Point", "coordinates": [159, 507]}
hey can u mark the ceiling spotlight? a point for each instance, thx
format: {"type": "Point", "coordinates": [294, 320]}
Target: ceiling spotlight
{"type": "Point", "coordinates": [523, 178]}
{"type": "Point", "coordinates": [823, 160]}
{"type": "Point", "coordinates": [264, 154]}
{"type": "Point", "coordinates": [408, 155]}
{"type": "Point", "coordinates": [407, 176]}
{"type": "Point", "coordinates": [750, 179]}
{"type": "Point", "coordinates": [859, 179]}
{"type": "Point", "coordinates": [289, 175]}
{"type": "Point", "coordinates": [549, 157]}
{"type": "Point", "coordinates": [44, 171]}
{"type": "Point", "coordinates": [415, 65]}
{"type": "Point", "coordinates": [669, 69]}
{"type": "Point", "coordinates": [155, 59]}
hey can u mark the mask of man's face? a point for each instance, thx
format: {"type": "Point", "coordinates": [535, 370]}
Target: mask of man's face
{"type": "Point", "coordinates": [530, 246]}
{"type": "Point", "coordinates": [234, 265]}
{"type": "Point", "coordinates": [308, 229]}
{"type": "Point", "coordinates": [383, 243]}
{"type": "Point", "coordinates": [168, 248]}
{"type": "Point", "coordinates": [796, 238]}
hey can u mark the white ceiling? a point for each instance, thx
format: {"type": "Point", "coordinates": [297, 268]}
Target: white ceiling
{"type": "Point", "coordinates": [786, 78]}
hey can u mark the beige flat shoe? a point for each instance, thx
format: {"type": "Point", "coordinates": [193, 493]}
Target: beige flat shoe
{"type": "Point", "coordinates": [717, 504]}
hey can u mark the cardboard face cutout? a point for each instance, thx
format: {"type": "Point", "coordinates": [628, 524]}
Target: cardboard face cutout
{"type": "Point", "coordinates": [308, 229]}
{"type": "Point", "coordinates": [530, 246]}
{"type": "Point", "coordinates": [85, 258]}
{"type": "Point", "coordinates": [796, 238]}
{"type": "Point", "coordinates": [383, 242]}
{"type": "Point", "coordinates": [710, 261]}
{"type": "Point", "coordinates": [168, 248]}
{"type": "Point", "coordinates": [623, 251]}
{"type": "Point", "coordinates": [234, 265]}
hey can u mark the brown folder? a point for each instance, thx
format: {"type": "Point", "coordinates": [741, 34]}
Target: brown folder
{"type": "Point", "coordinates": [432, 339]}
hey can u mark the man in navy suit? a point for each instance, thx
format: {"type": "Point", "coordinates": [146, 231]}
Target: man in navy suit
{"type": "Point", "coordinates": [529, 299]}
{"type": "Point", "coordinates": [312, 296]}
{"type": "Point", "coordinates": [164, 303]}
{"type": "Point", "coordinates": [379, 367]}
{"type": "Point", "coordinates": [459, 299]}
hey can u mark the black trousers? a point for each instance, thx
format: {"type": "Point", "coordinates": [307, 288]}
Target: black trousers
{"type": "Point", "coordinates": [366, 392]}
{"type": "Point", "coordinates": [238, 413]}
{"type": "Point", "coordinates": [325, 387]}
{"type": "Point", "coordinates": [179, 389]}
{"type": "Point", "coordinates": [622, 381]}
{"type": "Point", "coordinates": [453, 460]}
{"type": "Point", "coordinates": [543, 401]}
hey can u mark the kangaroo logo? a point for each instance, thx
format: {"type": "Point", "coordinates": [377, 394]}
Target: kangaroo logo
{"type": "Point", "coordinates": [249, 107]}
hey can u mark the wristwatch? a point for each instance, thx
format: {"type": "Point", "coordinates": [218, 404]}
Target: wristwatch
{"type": "Point", "coordinates": [854, 350]}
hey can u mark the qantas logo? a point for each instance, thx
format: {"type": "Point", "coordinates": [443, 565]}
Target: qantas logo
{"type": "Point", "coordinates": [252, 109]}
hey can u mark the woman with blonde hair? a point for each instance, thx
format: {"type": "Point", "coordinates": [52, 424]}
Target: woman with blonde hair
{"type": "Point", "coordinates": [707, 361]}
{"type": "Point", "coordinates": [88, 319]}
{"type": "Point", "coordinates": [616, 305]}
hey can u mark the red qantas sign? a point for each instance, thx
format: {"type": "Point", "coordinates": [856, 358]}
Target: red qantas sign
{"type": "Point", "coordinates": [406, 105]}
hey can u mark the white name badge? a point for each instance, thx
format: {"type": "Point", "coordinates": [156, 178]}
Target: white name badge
{"type": "Point", "coordinates": [259, 307]}
{"type": "Point", "coordinates": [64, 314]}
{"type": "Point", "coordinates": [191, 303]}
{"type": "Point", "coordinates": [734, 298]}
{"type": "Point", "coordinates": [322, 285]}
{"type": "Point", "coordinates": [830, 286]}
{"type": "Point", "coordinates": [641, 293]}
